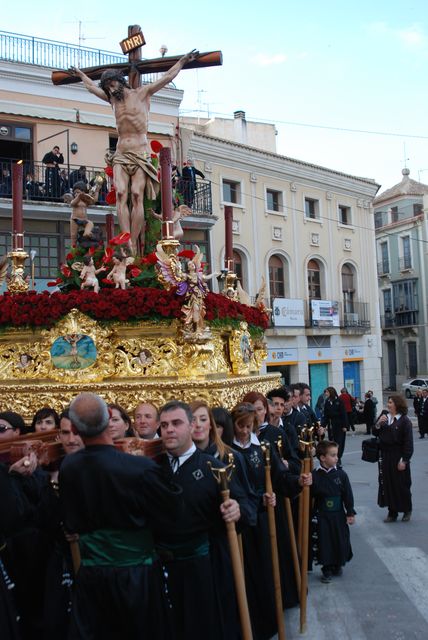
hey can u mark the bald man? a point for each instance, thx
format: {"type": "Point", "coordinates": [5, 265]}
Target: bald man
{"type": "Point", "coordinates": [109, 498]}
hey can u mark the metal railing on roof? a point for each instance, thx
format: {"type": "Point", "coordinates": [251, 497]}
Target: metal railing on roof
{"type": "Point", "coordinates": [16, 47]}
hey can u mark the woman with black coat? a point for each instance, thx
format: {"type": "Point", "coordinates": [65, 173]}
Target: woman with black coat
{"type": "Point", "coordinates": [335, 419]}
{"type": "Point", "coordinates": [394, 430]}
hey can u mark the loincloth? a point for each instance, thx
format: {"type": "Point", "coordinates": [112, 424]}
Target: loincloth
{"type": "Point", "coordinates": [131, 162]}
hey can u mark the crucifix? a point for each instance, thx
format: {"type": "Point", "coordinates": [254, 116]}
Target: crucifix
{"type": "Point", "coordinates": [134, 175]}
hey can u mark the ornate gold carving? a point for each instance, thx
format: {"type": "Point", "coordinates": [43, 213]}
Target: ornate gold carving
{"type": "Point", "coordinates": [134, 361]}
{"type": "Point", "coordinates": [28, 398]}
{"type": "Point", "coordinates": [16, 283]}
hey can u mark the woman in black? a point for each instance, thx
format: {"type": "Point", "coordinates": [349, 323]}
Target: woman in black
{"type": "Point", "coordinates": [335, 419]}
{"type": "Point", "coordinates": [394, 431]}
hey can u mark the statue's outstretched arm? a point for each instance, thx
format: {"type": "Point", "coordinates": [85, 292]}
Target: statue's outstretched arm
{"type": "Point", "coordinates": [90, 85]}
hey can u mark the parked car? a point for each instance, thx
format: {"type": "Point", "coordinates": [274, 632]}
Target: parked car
{"type": "Point", "coordinates": [411, 386]}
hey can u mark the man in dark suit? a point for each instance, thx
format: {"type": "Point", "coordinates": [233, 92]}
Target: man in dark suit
{"type": "Point", "coordinates": [423, 415]}
{"type": "Point", "coordinates": [188, 182]}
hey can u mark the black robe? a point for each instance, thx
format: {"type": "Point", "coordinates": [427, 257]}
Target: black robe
{"type": "Point", "coordinates": [104, 489]}
{"type": "Point", "coordinates": [396, 442]}
{"type": "Point", "coordinates": [195, 552]}
{"type": "Point", "coordinates": [257, 552]}
{"type": "Point", "coordinates": [333, 502]}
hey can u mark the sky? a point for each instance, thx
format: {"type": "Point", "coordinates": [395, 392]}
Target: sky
{"type": "Point", "coordinates": [316, 69]}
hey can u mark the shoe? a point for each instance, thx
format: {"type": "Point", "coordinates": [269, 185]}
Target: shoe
{"type": "Point", "coordinates": [391, 519]}
{"type": "Point", "coordinates": [338, 571]}
{"type": "Point", "coordinates": [406, 516]}
{"type": "Point", "coordinates": [326, 578]}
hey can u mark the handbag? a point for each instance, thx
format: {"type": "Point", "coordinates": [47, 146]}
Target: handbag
{"type": "Point", "coordinates": [370, 450]}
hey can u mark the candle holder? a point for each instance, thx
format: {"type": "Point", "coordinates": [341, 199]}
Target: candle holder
{"type": "Point", "coordinates": [16, 282]}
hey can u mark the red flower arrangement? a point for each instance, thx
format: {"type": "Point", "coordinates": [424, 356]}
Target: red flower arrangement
{"type": "Point", "coordinates": [44, 309]}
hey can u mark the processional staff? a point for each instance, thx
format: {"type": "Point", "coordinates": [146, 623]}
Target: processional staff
{"type": "Point", "coordinates": [274, 545]}
{"type": "Point", "coordinates": [307, 443]}
{"type": "Point", "coordinates": [292, 532]}
{"type": "Point", "coordinates": [223, 476]}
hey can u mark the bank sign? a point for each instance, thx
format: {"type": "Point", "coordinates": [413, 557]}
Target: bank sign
{"type": "Point", "coordinates": [325, 313]}
{"type": "Point", "coordinates": [288, 313]}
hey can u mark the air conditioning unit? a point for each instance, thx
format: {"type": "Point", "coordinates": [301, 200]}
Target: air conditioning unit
{"type": "Point", "coordinates": [351, 319]}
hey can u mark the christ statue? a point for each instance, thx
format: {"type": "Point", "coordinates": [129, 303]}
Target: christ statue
{"type": "Point", "coordinates": [132, 167]}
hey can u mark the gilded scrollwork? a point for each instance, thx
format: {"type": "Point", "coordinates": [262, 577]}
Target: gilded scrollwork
{"type": "Point", "coordinates": [26, 399]}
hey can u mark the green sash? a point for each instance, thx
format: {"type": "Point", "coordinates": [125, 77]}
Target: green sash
{"type": "Point", "coordinates": [117, 548]}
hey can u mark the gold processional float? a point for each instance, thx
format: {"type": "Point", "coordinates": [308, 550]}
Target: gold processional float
{"type": "Point", "coordinates": [127, 342]}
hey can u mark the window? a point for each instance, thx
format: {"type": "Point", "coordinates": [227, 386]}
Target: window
{"type": "Point", "coordinates": [231, 192]}
{"type": "Point", "coordinates": [312, 208]}
{"type": "Point", "coordinates": [418, 209]}
{"type": "Point", "coordinates": [274, 200]}
{"type": "Point", "coordinates": [344, 214]}
{"type": "Point", "coordinates": [379, 219]}
{"type": "Point", "coordinates": [23, 133]}
{"type": "Point", "coordinates": [237, 260]}
{"type": "Point", "coordinates": [383, 265]}
{"type": "Point", "coordinates": [348, 288]}
{"type": "Point", "coordinates": [314, 280]}
{"type": "Point", "coordinates": [46, 262]}
{"type": "Point", "coordinates": [276, 277]}
{"type": "Point", "coordinates": [394, 214]}
{"type": "Point", "coordinates": [407, 257]}
{"type": "Point", "coordinates": [387, 301]}
{"type": "Point", "coordinates": [405, 302]}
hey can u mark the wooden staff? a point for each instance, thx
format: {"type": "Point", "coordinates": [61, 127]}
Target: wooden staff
{"type": "Point", "coordinates": [274, 546]}
{"type": "Point", "coordinates": [307, 461]}
{"type": "Point", "coordinates": [223, 476]}
{"type": "Point", "coordinates": [290, 522]}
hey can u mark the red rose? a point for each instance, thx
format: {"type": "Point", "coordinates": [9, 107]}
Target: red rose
{"type": "Point", "coordinates": [156, 146]}
{"type": "Point", "coordinates": [134, 272]}
{"type": "Point", "coordinates": [111, 197]}
{"type": "Point", "coordinates": [66, 271]}
{"type": "Point", "coordinates": [122, 238]}
{"type": "Point", "coordinates": [109, 171]}
{"type": "Point", "coordinates": [186, 253]}
{"type": "Point", "coordinates": [150, 258]}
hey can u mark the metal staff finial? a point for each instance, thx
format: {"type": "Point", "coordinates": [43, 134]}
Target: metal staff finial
{"type": "Point", "coordinates": [223, 475]}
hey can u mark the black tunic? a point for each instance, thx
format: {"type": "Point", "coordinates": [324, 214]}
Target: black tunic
{"type": "Point", "coordinates": [333, 502]}
{"type": "Point", "coordinates": [396, 443]}
{"type": "Point", "coordinates": [336, 421]}
{"type": "Point", "coordinates": [195, 552]}
{"type": "Point", "coordinates": [104, 489]}
{"type": "Point", "coordinates": [257, 552]}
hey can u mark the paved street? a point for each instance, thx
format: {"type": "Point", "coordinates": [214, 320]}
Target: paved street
{"type": "Point", "coordinates": [383, 592]}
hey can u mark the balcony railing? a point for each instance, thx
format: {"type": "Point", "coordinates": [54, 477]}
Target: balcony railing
{"type": "Point", "coordinates": [16, 47]}
{"type": "Point", "coordinates": [44, 185]}
{"type": "Point", "coordinates": [391, 320]}
{"type": "Point", "coordinates": [355, 315]}
{"type": "Point", "coordinates": [405, 263]}
{"type": "Point", "coordinates": [49, 185]}
{"type": "Point", "coordinates": [383, 268]}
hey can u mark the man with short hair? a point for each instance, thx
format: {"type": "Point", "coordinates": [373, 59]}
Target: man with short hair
{"type": "Point", "coordinates": [112, 500]}
{"type": "Point", "coordinates": [11, 425]}
{"type": "Point", "coordinates": [194, 548]}
{"type": "Point", "coordinates": [146, 420]}
{"type": "Point", "coordinates": [69, 438]}
{"type": "Point", "coordinates": [286, 418]}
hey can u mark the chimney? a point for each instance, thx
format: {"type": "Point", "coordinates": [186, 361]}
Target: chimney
{"type": "Point", "coordinates": [240, 126]}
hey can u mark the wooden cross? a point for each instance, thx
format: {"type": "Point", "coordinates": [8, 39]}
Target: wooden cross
{"type": "Point", "coordinates": [135, 67]}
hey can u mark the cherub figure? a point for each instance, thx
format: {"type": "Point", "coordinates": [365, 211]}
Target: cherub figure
{"type": "Point", "coordinates": [179, 213]}
{"type": "Point", "coordinates": [88, 274]}
{"type": "Point", "coordinates": [79, 217]}
{"type": "Point", "coordinates": [118, 273]}
{"type": "Point", "coordinates": [190, 284]}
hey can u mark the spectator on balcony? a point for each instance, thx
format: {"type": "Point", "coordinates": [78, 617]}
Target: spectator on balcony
{"type": "Point", "coordinates": [5, 183]}
{"type": "Point", "coordinates": [33, 189]}
{"type": "Point", "coordinates": [78, 175]}
{"type": "Point", "coordinates": [52, 160]}
{"type": "Point", "coordinates": [187, 184]}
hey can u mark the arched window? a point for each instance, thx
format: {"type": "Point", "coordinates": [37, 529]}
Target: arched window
{"type": "Point", "coordinates": [314, 280]}
{"type": "Point", "coordinates": [348, 287]}
{"type": "Point", "coordinates": [276, 277]}
{"type": "Point", "coordinates": [238, 266]}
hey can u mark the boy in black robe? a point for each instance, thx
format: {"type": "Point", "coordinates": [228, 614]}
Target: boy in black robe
{"type": "Point", "coordinates": [112, 500]}
{"type": "Point", "coordinates": [334, 506]}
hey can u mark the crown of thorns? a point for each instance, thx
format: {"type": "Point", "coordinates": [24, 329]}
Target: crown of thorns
{"type": "Point", "coordinates": [109, 76]}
